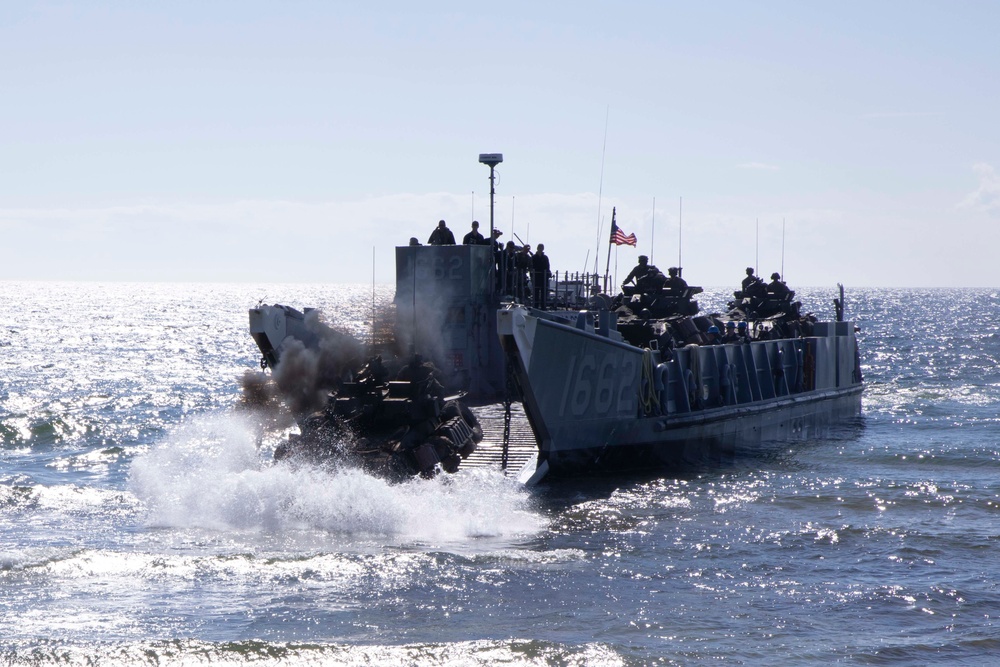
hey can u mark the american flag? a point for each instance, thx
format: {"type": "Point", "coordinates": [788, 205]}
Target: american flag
{"type": "Point", "coordinates": [618, 236]}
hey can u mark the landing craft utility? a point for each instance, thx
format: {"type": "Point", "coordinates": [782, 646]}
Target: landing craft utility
{"type": "Point", "coordinates": [635, 381]}
{"type": "Point", "coordinates": [653, 391]}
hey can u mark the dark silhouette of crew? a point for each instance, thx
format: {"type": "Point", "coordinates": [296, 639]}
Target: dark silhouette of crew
{"type": "Point", "coordinates": [509, 268]}
{"type": "Point", "coordinates": [522, 267]}
{"type": "Point", "coordinates": [675, 282]}
{"type": "Point", "coordinates": [423, 375]}
{"type": "Point", "coordinates": [777, 286]}
{"type": "Point", "coordinates": [752, 284]}
{"type": "Point", "coordinates": [647, 277]}
{"type": "Point", "coordinates": [731, 336]}
{"type": "Point", "coordinates": [640, 270]}
{"type": "Point", "coordinates": [742, 331]}
{"type": "Point", "coordinates": [498, 260]}
{"type": "Point", "coordinates": [474, 237]}
{"type": "Point", "coordinates": [441, 235]}
{"type": "Point", "coordinates": [540, 274]}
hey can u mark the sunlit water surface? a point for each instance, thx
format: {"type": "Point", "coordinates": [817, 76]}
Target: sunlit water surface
{"type": "Point", "coordinates": [142, 520]}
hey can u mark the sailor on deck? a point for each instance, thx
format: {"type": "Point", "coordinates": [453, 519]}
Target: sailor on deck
{"type": "Point", "coordinates": [509, 268]}
{"type": "Point", "coordinates": [441, 235]}
{"type": "Point", "coordinates": [474, 237]}
{"type": "Point", "coordinates": [522, 267]}
{"type": "Point", "coordinates": [540, 274]}
{"type": "Point", "coordinates": [731, 336]}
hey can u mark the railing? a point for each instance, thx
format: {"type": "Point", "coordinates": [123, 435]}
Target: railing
{"type": "Point", "coordinates": [565, 289]}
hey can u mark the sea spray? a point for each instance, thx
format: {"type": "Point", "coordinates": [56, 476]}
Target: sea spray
{"type": "Point", "coordinates": [211, 473]}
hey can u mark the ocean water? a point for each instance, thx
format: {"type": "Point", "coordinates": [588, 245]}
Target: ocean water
{"type": "Point", "coordinates": [143, 522]}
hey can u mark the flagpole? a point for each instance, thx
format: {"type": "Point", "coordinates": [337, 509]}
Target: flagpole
{"type": "Point", "coordinates": [607, 267]}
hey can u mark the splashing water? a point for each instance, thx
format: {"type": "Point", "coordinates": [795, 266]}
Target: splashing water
{"type": "Point", "coordinates": [212, 473]}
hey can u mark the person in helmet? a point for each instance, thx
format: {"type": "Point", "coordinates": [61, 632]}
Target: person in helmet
{"type": "Point", "coordinates": [742, 332]}
{"type": "Point", "coordinates": [675, 282]}
{"type": "Point", "coordinates": [730, 336]}
{"type": "Point", "coordinates": [752, 286]}
{"type": "Point", "coordinates": [777, 286]}
{"type": "Point", "coordinates": [639, 272]}
{"type": "Point", "coordinates": [714, 336]}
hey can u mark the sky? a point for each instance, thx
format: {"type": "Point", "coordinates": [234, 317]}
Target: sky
{"type": "Point", "coordinates": [850, 142]}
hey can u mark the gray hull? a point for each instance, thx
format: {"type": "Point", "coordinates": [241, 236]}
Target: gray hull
{"type": "Point", "coordinates": [598, 404]}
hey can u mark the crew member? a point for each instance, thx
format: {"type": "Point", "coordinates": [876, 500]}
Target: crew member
{"type": "Point", "coordinates": [509, 268]}
{"type": "Point", "coordinates": [731, 336]}
{"type": "Point", "coordinates": [522, 267]}
{"type": "Point", "coordinates": [474, 237]}
{"type": "Point", "coordinates": [540, 275]}
{"type": "Point", "coordinates": [777, 286]}
{"type": "Point", "coordinates": [441, 235]}
{"type": "Point", "coordinates": [498, 260]}
{"type": "Point", "coordinates": [752, 286]}
{"type": "Point", "coordinates": [639, 272]}
{"type": "Point", "coordinates": [742, 332]}
{"type": "Point", "coordinates": [424, 376]}
{"type": "Point", "coordinates": [675, 282]}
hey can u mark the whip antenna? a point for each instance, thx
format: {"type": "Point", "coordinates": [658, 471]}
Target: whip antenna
{"type": "Point", "coordinates": [756, 250]}
{"type": "Point", "coordinates": [680, 226]}
{"type": "Point", "coordinates": [600, 187]}
{"type": "Point", "coordinates": [652, 233]}
{"type": "Point", "coordinates": [783, 250]}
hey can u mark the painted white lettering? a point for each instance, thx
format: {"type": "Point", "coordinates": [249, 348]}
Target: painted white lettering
{"type": "Point", "coordinates": [580, 400]}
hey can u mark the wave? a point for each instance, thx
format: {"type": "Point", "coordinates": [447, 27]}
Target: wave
{"type": "Point", "coordinates": [188, 651]}
{"type": "Point", "coordinates": [213, 473]}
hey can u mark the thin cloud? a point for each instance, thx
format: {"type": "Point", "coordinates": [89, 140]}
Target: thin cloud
{"type": "Point", "coordinates": [987, 196]}
{"type": "Point", "coordinates": [760, 166]}
{"type": "Point", "coordinates": [901, 114]}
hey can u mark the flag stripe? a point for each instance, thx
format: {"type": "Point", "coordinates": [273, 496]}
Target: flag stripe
{"type": "Point", "coordinates": [618, 237]}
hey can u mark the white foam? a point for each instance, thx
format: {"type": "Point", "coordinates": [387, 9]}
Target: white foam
{"type": "Point", "coordinates": [209, 473]}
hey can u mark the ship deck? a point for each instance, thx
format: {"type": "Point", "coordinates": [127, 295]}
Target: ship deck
{"type": "Point", "coordinates": [521, 446]}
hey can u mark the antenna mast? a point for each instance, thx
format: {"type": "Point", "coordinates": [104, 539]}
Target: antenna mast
{"type": "Point", "coordinates": [783, 250]}
{"type": "Point", "coordinates": [756, 250]}
{"type": "Point", "coordinates": [680, 224]}
{"type": "Point", "coordinates": [600, 187]}
{"type": "Point", "coordinates": [491, 160]}
{"type": "Point", "coordinates": [652, 232]}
